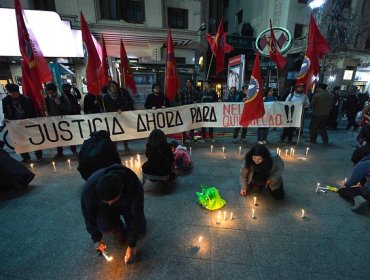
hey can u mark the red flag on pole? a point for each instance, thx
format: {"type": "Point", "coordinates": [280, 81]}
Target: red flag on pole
{"type": "Point", "coordinates": [35, 68]}
{"type": "Point", "coordinates": [93, 60]}
{"type": "Point", "coordinates": [104, 67]}
{"type": "Point", "coordinates": [126, 76]}
{"type": "Point", "coordinates": [317, 47]}
{"type": "Point", "coordinates": [219, 46]}
{"type": "Point", "coordinates": [253, 107]}
{"type": "Point", "coordinates": [275, 55]}
{"type": "Point", "coordinates": [171, 83]}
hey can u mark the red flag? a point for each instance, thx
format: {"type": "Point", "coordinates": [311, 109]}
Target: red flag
{"type": "Point", "coordinates": [275, 55]}
{"type": "Point", "coordinates": [171, 83]}
{"type": "Point", "coordinates": [253, 107]}
{"type": "Point", "coordinates": [34, 66]}
{"type": "Point", "coordinates": [126, 76]}
{"type": "Point", "coordinates": [317, 47]}
{"type": "Point", "coordinates": [93, 60]}
{"type": "Point", "coordinates": [219, 46]}
{"type": "Point", "coordinates": [104, 67]}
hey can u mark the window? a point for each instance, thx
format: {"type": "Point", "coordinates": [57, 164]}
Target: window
{"type": "Point", "coordinates": [177, 18]}
{"type": "Point", "coordinates": [44, 5]}
{"type": "Point", "coordinates": [239, 17]}
{"type": "Point", "coordinates": [131, 11]}
{"type": "Point", "coordinates": [299, 31]}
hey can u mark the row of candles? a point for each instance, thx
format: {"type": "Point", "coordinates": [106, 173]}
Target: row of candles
{"type": "Point", "coordinates": [54, 166]}
{"type": "Point", "coordinates": [291, 152]}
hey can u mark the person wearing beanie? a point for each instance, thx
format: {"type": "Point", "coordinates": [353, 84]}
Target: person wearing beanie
{"type": "Point", "coordinates": [108, 194]}
{"type": "Point", "coordinates": [17, 106]}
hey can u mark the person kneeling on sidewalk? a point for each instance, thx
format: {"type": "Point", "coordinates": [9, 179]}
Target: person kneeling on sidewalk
{"type": "Point", "coordinates": [260, 169]}
{"type": "Point", "coordinates": [183, 162]}
{"type": "Point", "coordinates": [109, 193]}
{"type": "Point", "coordinates": [357, 188]}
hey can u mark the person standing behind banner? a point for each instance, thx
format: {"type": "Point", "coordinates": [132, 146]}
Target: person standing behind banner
{"type": "Point", "coordinates": [321, 104]}
{"type": "Point", "coordinates": [333, 116]}
{"type": "Point", "coordinates": [262, 132]}
{"type": "Point", "coordinates": [352, 107]}
{"type": "Point", "coordinates": [17, 106]}
{"type": "Point", "coordinates": [76, 108]}
{"type": "Point", "coordinates": [118, 100]}
{"type": "Point", "coordinates": [297, 95]}
{"type": "Point", "coordinates": [93, 104]}
{"type": "Point", "coordinates": [156, 100]}
{"type": "Point", "coordinates": [241, 97]}
{"type": "Point", "coordinates": [188, 95]}
{"type": "Point", "coordinates": [208, 96]}
{"type": "Point", "coordinates": [57, 104]}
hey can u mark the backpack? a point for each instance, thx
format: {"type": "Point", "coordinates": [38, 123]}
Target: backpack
{"type": "Point", "coordinates": [97, 152]}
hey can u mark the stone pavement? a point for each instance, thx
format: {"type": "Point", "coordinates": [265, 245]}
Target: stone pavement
{"type": "Point", "coordinates": [43, 235]}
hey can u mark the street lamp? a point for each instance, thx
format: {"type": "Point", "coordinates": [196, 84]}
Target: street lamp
{"type": "Point", "coordinates": [316, 4]}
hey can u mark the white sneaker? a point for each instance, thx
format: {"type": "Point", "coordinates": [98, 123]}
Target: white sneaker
{"type": "Point", "coordinates": [260, 142]}
{"type": "Point", "coordinates": [359, 203]}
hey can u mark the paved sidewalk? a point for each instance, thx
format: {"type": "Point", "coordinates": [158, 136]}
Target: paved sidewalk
{"type": "Point", "coordinates": [43, 235]}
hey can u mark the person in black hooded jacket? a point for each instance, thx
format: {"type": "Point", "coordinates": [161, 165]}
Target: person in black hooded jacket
{"type": "Point", "coordinates": [109, 193]}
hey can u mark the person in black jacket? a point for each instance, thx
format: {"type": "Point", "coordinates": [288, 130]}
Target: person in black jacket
{"type": "Point", "coordinates": [93, 104]}
{"type": "Point", "coordinates": [16, 107]}
{"type": "Point", "coordinates": [109, 193]}
{"type": "Point", "coordinates": [156, 100]}
{"type": "Point", "coordinates": [118, 100]}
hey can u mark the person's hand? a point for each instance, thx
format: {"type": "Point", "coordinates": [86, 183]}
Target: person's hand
{"type": "Point", "coordinates": [154, 107]}
{"type": "Point", "coordinates": [130, 254]}
{"type": "Point", "coordinates": [57, 101]}
{"type": "Point", "coordinates": [268, 182]}
{"type": "Point", "coordinates": [243, 192]}
{"type": "Point", "coordinates": [101, 247]}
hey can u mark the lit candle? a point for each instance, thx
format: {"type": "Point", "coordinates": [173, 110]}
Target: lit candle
{"type": "Point", "coordinates": [138, 159]}
{"type": "Point", "coordinates": [254, 201]}
{"type": "Point", "coordinates": [211, 149]}
{"type": "Point", "coordinates": [223, 150]}
{"type": "Point", "coordinates": [307, 149]}
{"type": "Point", "coordinates": [318, 186]}
{"type": "Point", "coordinates": [253, 215]}
{"type": "Point", "coordinates": [225, 215]}
{"type": "Point", "coordinates": [240, 150]}
{"type": "Point", "coordinates": [31, 165]}
{"type": "Point", "coordinates": [231, 215]}
{"type": "Point", "coordinates": [199, 241]}
{"type": "Point", "coordinates": [345, 180]}
{"type": "Point", "coordinates": [293, 152]}
{"type": "Point", "coordinates": [132, 163]}
{"type": "Point", "coordinates": [108, 258]}
{"type": "Point", "coordinates": [218, 217]}
{"type": "Point", "coordinates": [302, 216]}
{"type": "Point", "coordinates": [126, 163]}
{"type": "Point", "coordinates": [69, 164]}
{"type": "Point", "coordinates": [190, 151]}
{"type": "Point", "coordinates": [54, 167]}
{"type": "Point", "coordinates": [286, 152]}
{"type": "Point", "coordinates": [277, 150]}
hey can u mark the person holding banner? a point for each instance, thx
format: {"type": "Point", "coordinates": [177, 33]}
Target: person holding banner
{"type": "Point", "coordinates": [118, 100]}
{"type": "Point", "coordinates": [57, 104]}
{"type": "Point", "coordinates": [208, 96]}
{"type": "Point", "coordinates": [262, 132]}
{"type": "Point", "coordinates": [188, 95]}
{"type": "Point", "coordinates": [242, 96]}
{"type": "Point", "coordinates": [156, 100]}
{"type": "Point", "coordinates": [17, 106]}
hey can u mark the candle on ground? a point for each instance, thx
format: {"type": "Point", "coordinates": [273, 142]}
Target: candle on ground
{"type": "Point", "coordinates": [54, 167]}
{"type": "Point", "coordinates": [108, 258]}
{"type": "Point", "coordinates": [31, 165]}
{"type": "Point", "coordinates": [253, 215]}
{"type": "Point", "coordinates": [223, 150]}
{"type": "Point", "coordinates": [211, 149]}
{"type": "Point", "coordinates": [190, 152]}
{"type": "Point", "coordinates": [69, 164]}
{"type": "Point", "coordinates": [199, 241]}
{"type": "Point", "coordinates": [302, 215]}
{"type": "Point", "coordinates": [231, 216]}
{"type": "Point", "coordinates": [240, 150]}
{"type": "Point", "coordinates": [254, 201]}
{"type": "Point", "coordinates": [307, 149]}
{"type": "Point", "coordinates": [286, 152]}
{"type": "Point", "coordinates": [225, 215]}
{"type": "Point", "coordinates": [218, 217]}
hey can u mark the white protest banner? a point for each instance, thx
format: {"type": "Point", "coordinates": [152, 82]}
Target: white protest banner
{"type": "Point", "coordinates": [48, 132]}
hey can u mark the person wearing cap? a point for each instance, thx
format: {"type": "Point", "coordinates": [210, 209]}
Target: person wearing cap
{"type": "Point", "coordinates": [108, 194]}
{"type": "Point", "coordinates": [17, 106]}
{"type": "Point", "coordinates": [241, 96]}
{"type": "Point", "coordinates": [297, 95]}
{"type": "Point", "coordinates": [57, 104]}
{"type": "Point", "coordinates": [156, 99]}
{"type": "Point", "coordinates": [321, 104]}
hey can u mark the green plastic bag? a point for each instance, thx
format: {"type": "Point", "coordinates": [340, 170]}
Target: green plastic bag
{"type": "Point", "coordinates": [210, 198]}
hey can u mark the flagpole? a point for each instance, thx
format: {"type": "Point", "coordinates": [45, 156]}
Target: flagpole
{"type": "Point", "coordinates": [209, 66]}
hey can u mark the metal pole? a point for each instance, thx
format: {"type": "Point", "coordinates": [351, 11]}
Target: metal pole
{"type": "Point", "coordinates": [209, 66]}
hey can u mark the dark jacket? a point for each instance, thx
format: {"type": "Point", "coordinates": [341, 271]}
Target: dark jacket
{"type": "Point", "coordinates": [58, 110]}
{"type": "Point", "coordinates": [93, 104]}
{"type": "Point", "coordinates": [160, 160]}
{"type": "Point", "coordinates": [123, 101]}
{"type": "Point", "coordinates": [132, 198]}
{"type": "Point", "coordinates": [25, 103]}
{"type": "Point", "coordinates": [321, 104]}
{"type": "Point", "coordinates": [153, 100]}
{"type": "Point", "coordinates": [75, 107]}
{"type": "Point", "coordinates": [207, 97]}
